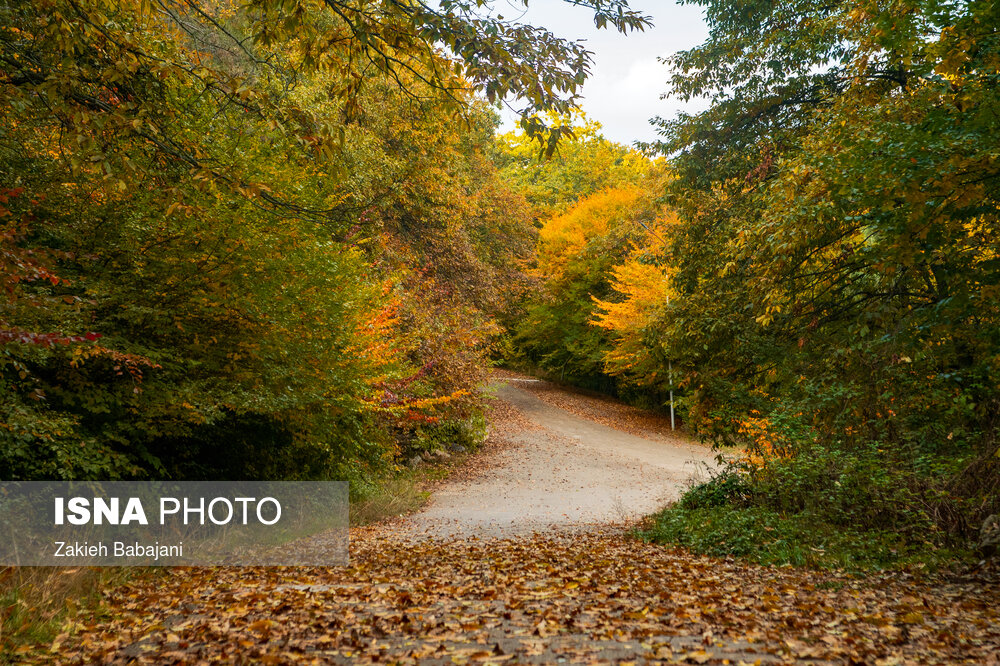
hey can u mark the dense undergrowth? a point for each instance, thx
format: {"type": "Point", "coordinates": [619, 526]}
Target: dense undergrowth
{"type": "Point", "coordinates": [722, 518]}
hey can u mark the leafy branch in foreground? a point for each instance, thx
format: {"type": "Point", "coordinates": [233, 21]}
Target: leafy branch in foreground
{"type": "Point", "coordinates": [270, 212]}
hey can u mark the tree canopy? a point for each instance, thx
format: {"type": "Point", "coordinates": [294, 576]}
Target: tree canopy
{"type": "Point", "coordinates": [257, 240]}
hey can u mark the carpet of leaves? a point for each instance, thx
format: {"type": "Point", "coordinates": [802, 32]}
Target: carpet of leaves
{"type": "Point", "coordinates": [580, 598]}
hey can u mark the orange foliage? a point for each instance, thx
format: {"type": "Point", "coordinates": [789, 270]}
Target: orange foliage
{"type": "Point", "coordinates": [566, 236]}
{"type": "Point", "coordinates": [644, 285]}
{"type": "Point", "coordinates": [376, 341]}
{"type": "Point", "coordinates": [763, 443]}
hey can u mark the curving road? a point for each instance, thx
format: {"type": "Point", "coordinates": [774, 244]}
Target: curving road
{"type": "Point", "coordinates": [560, 471]}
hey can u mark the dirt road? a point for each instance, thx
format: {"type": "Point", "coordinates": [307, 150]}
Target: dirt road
{"type": "Point", "coordinates": [561, 471]}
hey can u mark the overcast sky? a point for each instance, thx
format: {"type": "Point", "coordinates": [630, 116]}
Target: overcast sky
{"type": "Point", "coordinates": [623, 91]}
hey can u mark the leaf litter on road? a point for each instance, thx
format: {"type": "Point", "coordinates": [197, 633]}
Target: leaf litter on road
{"type": "Point", "coordinates": [581, 597]}
{"type": "Point", "coordinates": [591, 594]}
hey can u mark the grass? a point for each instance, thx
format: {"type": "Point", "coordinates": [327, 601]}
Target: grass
{"type": "Point", "coordinates": [769, 538]}
{"type": "Point", "coordinates": [403, 492]}
{"type": "Point", "coordinates": [395, 496]}
{"type": "Point", "coordinates": [37, 603]}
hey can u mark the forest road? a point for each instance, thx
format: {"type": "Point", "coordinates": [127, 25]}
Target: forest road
{"type": "Point", "coordinates": [558, 470]}
{"type": "Point", "coordinates": [516, 561]}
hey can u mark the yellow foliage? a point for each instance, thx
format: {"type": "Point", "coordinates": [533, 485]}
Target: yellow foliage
{"type": "Point", "coordinates": [763, 443]}
{"type": "Point", "coordinates": [644, 285]}
{"type": "Point", "coordinates": [566, 236]}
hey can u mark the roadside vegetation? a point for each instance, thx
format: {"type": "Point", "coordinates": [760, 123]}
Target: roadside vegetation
{"type": "Point", "coordinates": [259, 241]}
{"type": "Point", "coordinates": [815, 275]}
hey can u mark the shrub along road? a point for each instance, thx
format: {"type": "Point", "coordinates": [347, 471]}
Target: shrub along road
{"type": "Point", "coordinates": [499, 569]}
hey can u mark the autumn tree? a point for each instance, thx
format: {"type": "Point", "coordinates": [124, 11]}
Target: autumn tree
{"type": "Point", "coordinates": [204, 203]}
{"type": "Point", "coordinates": [578, 253]}
{"type": "Point", "coordinates": [585, 163]}
{"type": "Point", "coordinates": [836, 272]}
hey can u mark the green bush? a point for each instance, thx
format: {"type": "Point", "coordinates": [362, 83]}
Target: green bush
{"type": "Point", "coordinates": [861, 488]}
{"type": "Point", "coordinates": [817, 506]}
{"type": "Point", "coordinates": [468, 432]}
{"type": "Point", "coordinates": [727, 487]}
{"type": "Point", "coordinates": [771, 538]}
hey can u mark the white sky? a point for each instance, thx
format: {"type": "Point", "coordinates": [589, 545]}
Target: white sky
{"type": "Point", "coordinates": [626, 81]}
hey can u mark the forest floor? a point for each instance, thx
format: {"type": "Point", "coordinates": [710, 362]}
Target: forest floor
{"type": "Point", "coordinates": [525, 556]}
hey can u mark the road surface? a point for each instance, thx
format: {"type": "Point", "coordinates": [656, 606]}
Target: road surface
{"type": "Point", "coordinates": [557, 470]}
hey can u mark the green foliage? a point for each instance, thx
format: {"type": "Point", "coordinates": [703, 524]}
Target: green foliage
{"type": "Point", "coordinates": [232, 251]}
{"type": "Point", "coordinates": [836, 292]}
{"type": "Point", "coordinates": [772, 538]}
{"type": "Point", "coordinates": [726, 487]}
{"type": "Point", "coordinates": [468, 433]}
{"type": "Point", "coordinates": [832, 229]}
{"type": "Point", "coordinates": [219, 309]}
{"type": "Point", "coordinates": [806, 512]}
